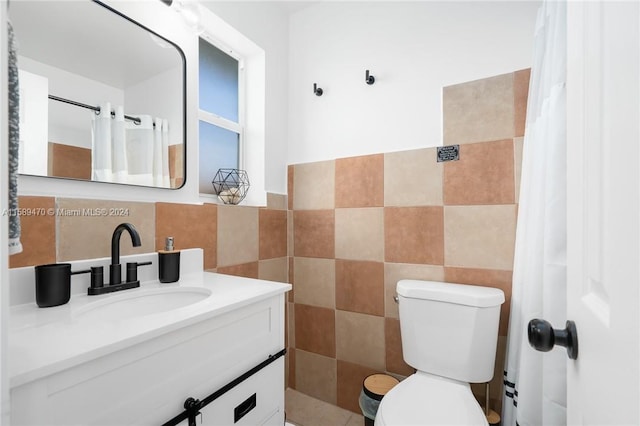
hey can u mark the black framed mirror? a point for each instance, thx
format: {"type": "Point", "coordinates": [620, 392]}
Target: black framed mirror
{"type": "Point", "coordinates": [102, 98]}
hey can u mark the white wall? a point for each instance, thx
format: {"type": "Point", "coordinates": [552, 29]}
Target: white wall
{"type": "Point", "coordinates": [413, 49]}
{"type": "Point", "coordinates": [34, 119]}
{"type": "Point", "coordinates": [68, 124]}
{"type": "Point", "coordinates": [150, 97]}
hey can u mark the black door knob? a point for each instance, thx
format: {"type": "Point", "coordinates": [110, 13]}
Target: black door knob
{"type": "Point", "coordinates": [543, 337]}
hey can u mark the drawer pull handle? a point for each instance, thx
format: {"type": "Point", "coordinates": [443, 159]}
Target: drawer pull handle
{"type": "Point", "coordinates": [193, 406]}
{"type": "Point", "coordinates": [241, 410]}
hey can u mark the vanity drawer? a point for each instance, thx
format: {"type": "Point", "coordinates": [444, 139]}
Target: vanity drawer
{"type": "Point", "coordinates": [252, 402]}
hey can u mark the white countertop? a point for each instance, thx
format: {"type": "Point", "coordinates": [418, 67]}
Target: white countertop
{"type": "Point", "coordinates": [44, 341]}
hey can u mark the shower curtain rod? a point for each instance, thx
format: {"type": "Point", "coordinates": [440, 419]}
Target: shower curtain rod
{"type": "Point", "coordinates": [95, 108]}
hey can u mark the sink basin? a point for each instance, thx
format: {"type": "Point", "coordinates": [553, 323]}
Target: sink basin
{"type": "Point", "coordinates": [141, 302]}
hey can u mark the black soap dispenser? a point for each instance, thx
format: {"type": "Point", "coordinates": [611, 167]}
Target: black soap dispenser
{"type": "Point", "coordinates": [168, 263]}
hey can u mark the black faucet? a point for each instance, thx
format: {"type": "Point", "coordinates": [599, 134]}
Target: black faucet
{"type": "Point", "coordinates": [115, 269]}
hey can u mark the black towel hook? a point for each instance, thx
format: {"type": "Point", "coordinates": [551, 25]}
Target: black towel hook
{"type": "Point", "coordinates": [369, 79]}
{"type": "Point", "coordinates": [317, 90]}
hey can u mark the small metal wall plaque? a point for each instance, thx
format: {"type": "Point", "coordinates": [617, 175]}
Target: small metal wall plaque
{"type": "Point", "coordinates": [448, 153]}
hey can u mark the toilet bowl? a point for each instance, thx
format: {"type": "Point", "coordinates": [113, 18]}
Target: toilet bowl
{"type": "Point", "coordinates": [449, 335]}
{"type": "Point", "coordinates": [425, 400]}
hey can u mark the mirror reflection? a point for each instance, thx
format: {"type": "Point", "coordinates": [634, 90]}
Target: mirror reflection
{"type": "Point", "coordinates": [101, 98]}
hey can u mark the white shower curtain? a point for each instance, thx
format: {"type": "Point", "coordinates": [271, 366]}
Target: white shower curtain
{"type": "Point", "coordinates": [535, 383]}
{"type": "Point", "coordinates": [101, 145]}
{"type": "Point", "coordinates": [140, 142]}
{"type": "Point", "coordinates": [126, 152]}
{"type": "Point", "coordinates": [119, 159]}
{"type": "Point", "coordinates": [161, 156]}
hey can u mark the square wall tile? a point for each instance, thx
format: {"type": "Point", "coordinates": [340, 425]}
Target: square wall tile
{"type": "Point", "coordinates": [314, 186]}
{"type": "Point", "coordinates": [291, 325]}
{"type": "Point", "coordinates": [315, 330]}
{"type": "Point", "coordinates": [176, 165]}
{"type": "Point", "coordinates": [314, 233]}
{"type": "Point", "coordinates": [37, 232]}
{"type": "Point", "coordinates": [87, 237]}
{"type": "Point", "coordinates": [69, 161]}
{"type": "Point", "coordinates": [291, 293]}
{"type": "Point", "coordinates": [412, 178]}
{"type": "Point", "coordinates": [486, 278]}
{"type": "Point", "coordinates": [360, 233]}
{"type": "Point", "coordinates": [393, 346]}
{"type": "Point", "coordinates": [248, 270]}
{"type": "Point", "coordinates": [272, 225]}
{"type": "Point", "coordinates": [359, 181]}
{"type": "Point", "coordinates": [484, 174]}
{"type": "Point", "coordinates": [274, 270]}
{"type": "Point", "coordinates": [480, 236]}
{"type": "Point", "coordinates": [316, 376]}
{"type": "Point", "coordinates": [394, 272]}
{"type": "Point", "coordinates": [237, 235]}
{"type": "Point", "coordinates": [289, 232]}
{"type": "Point", "coordinates": [276, 201]}
{"type": "Point", "coordinates": [290, 173]}
{"type": "Point", "coordinates": [191, 226]}
{"type": "Point", "coordinates": [286, 330]}
{"type": "Point", "coordinates": [360, 286]}
{"type": "Point", "coordinates": [480, 110]}
{"type": "Point", "coordinates": [360, 339]}
{"type": "Point", "coordinates": [518, 147]}
{"type": "Point", "coordinates": [350, 379]}
{"type": "Point", "coordinates": [315, 281]}
{"type": "Point", "coordinates": [291, 355]}
{"type": "Point", "coordinates": [520, 95]}
{"type": "Point", "coordinates": [414, 235]}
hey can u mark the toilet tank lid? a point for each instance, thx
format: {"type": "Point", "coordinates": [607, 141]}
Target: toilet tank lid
{"type": "Point", "coordinates": [460, 294]}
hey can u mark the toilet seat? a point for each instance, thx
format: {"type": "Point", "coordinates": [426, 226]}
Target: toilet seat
{"type": "Point", "coordinates": [424, 399]}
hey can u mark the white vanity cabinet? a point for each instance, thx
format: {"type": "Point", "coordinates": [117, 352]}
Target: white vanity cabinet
{"type": "Point", "coordinates": [145, 379]}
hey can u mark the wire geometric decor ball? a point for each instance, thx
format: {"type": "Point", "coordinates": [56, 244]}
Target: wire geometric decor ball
{"type": "Point", "coordinates": [231, 185]}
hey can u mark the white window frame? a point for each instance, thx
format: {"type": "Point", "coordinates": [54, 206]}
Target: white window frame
{"type": "Point", "coordinates": [253, 94]}
{"type": "Point", "coordinates": [216, 120]}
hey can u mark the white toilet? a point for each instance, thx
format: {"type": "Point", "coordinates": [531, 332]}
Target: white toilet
{"type": "Point", "coordinates": [449, 335]}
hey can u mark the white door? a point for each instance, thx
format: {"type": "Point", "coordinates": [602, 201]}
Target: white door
{"type": "Point", "coordinates": [603, 136]}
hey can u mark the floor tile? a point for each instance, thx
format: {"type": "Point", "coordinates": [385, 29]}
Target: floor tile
{"type": "Point", "coordinates": [303, 410]}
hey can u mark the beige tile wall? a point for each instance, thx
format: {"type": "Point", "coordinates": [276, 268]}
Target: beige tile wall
{"type": "Point", "coordinates": [88, 237]}
{"type": "Point", "coordinates": [38, 236]}
{"type": "Point", "coordinates": [246, 241]}
{"type": "Point", "coordinates": [360, 224]}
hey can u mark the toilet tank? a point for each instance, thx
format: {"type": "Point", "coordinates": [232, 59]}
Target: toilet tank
{"type": "Point", "coordinates": [450, 330]}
